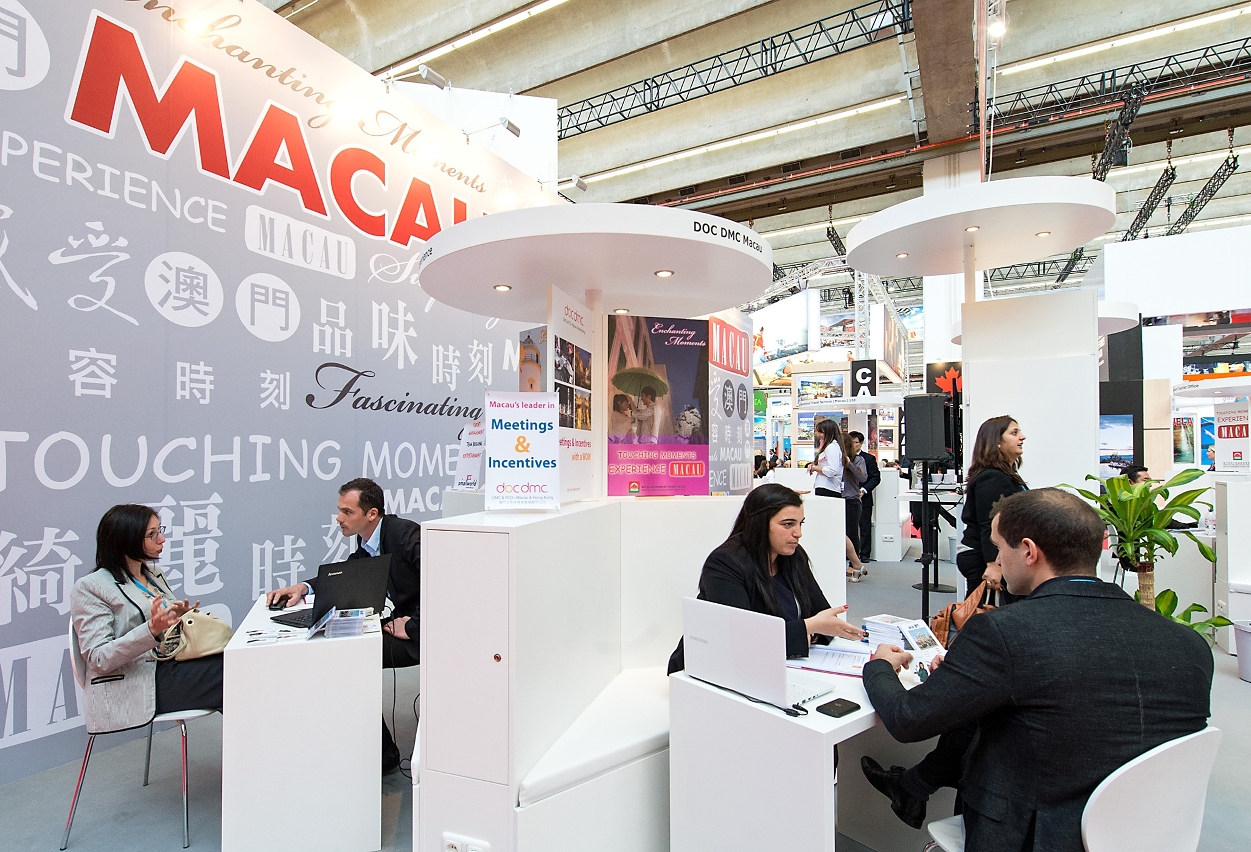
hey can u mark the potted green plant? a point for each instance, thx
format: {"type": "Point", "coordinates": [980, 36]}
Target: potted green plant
{"type": "Point", "coordinates": [1166, 605]}
{"type": "Point", "coordinates": [1139, 516]}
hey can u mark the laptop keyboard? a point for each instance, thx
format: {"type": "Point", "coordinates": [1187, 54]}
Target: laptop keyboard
{"type": "Point", "coordinates": [801, 689]}
{"type": "Point", "coordinates": [300, 618]}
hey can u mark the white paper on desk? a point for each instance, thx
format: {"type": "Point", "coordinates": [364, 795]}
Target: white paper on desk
{"type": "Point", "coordinates": [834, 660]}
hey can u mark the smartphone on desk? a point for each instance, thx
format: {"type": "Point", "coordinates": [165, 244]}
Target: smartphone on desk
{"type": "Point", "coordinates": [838, 707]}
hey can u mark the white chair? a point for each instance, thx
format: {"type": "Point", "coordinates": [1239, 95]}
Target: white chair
{"type": "Point", "coordinates": [1154, 803]}
{"type": "Point", "coordinates": [180, 716]}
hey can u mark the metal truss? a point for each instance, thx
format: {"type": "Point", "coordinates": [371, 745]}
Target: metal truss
{"type": "Point", "coordinates": [861, 324]}
{"type": "Point", "coordinates": [1116, 145]}
{"type": "Point", "coordinates": [1036, 269]}
{"type": "Point", "coordinates": [1224, 63]}
{"type": "Point", "coordinates": [1213, 186]}
{"type": "Point", "coordinates": [866, 24]}
{"type": "Point", "coordinates": [1149, 206]}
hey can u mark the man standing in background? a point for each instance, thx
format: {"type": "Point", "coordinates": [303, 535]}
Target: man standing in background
{"type": "Point", "coordinates": [864, 543]}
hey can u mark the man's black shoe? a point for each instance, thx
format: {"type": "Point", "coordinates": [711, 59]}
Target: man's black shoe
{"type": "Point", "coordinates": [907, 807]}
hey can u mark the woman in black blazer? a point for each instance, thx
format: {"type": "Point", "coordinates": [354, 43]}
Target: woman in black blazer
{"type": "Point", "coordinates": [761, 567]}
{"type": "Point", "coordinates": [997, 454]}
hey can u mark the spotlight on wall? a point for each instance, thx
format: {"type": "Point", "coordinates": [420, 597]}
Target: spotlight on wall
{"type": "Point", "coordinates": [502, 288]}
{"type": "Point", "coordinates": [503, 122]}
{"type": "Point", "coordinates": [434, 78]}
{"type": "Point", "coordinates": [972, 229]}
{"type": "Point", "coordinates": [996, 27]}
{"type": "Point", "coordinates": [902, 255]}
{"type": "Point", "coordinates": [663, 273]}
{"type": "Point", "coordinates": [621, 311]}
{"type": "Point", "coordinates": [577, 181]}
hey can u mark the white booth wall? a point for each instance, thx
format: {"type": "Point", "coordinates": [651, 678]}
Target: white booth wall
{"type": "Point", "coordinates": [1036, 358]}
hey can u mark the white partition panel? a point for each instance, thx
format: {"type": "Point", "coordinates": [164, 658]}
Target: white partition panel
{"type": "Point", "coordinates": [664, 542]}
{"type": "Point", "coordinates": [1034, 358]}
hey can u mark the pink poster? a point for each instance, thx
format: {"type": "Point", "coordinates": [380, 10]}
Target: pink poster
{"type": "Point", "coordinates": [657, 434]}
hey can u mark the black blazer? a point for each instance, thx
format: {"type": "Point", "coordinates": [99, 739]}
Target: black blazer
{"type": "Point", "coordinates": [875, 475]}
{"type": "Point", "coordinates": [725, 579]}
{"type": "Point", "coordinates": [988, 486]}
{"type": "Point", "coordinates": [402, 539]}
{"type": "Point", "coordinates": [1066, 685]}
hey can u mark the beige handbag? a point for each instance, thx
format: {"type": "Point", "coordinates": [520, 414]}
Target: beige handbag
{"type": "Point", "coordinates": [197, 634]}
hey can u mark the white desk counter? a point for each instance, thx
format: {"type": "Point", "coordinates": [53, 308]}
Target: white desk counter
{"type": "Point", "coordinates": [301, 743]}
{"type": "Point", "coordinates": [746, 777]}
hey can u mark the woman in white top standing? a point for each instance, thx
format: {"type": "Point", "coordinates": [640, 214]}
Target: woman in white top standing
{"type": "Point", "coordinates": [839, 474]}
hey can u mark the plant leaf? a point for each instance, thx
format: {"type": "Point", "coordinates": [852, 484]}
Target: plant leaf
{"type": "Point", "coordinates": [1166, 603]}
{"type": "Point", "coordinates": [1188, 475]}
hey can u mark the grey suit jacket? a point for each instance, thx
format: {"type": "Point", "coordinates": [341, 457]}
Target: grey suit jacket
{"type": "Point", "coordinates": [114, 662]}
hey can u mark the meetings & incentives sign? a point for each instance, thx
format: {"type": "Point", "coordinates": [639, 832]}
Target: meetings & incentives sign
{"type": "Point", "coordinates": [522, 451]}
{"type": "Point", "coordinates": [210, 227]}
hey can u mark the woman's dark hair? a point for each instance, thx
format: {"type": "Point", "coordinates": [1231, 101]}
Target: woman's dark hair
{"type": "Point", "coordinates": [751, 527]}
{"type": "Point", "coordinates": [121, 534]}
{"type": "Point", "coordinates": [619, 398]}
{"type": "Point", "coordinates": [829, 433]}
{"type": "Point", "coordinates": [986, 451]}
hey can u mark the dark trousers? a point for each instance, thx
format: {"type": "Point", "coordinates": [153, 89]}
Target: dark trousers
{"type": "Point", "coordinates": [398, 654]}
{"type": "Point", "coordinates": [865, 545]}
{"type": "Point", "coordinates": [943, 766]}
{"type": "Point", "coordinates": [970, 564]}
{"type": "Point", "coordinates": [189, 685]}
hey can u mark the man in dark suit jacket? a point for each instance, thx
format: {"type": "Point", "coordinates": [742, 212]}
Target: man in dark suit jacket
{"type": "Point", "coordinates": [864, 544]}
{"type": "Point", "coordinates": [1065, 685]}
{"type": "Point", "coordinates": [361, 507]}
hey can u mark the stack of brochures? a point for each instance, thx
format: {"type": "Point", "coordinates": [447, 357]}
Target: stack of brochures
{"type": "Point", "coordinates": [348, 622]}
{"type": "Point", "coordinates": [885, 630]}
{"type": "Point", "coordinates": [906, 633]}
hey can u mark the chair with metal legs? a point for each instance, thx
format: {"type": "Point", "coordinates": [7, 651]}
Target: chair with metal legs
{"type": "Point", "coordinates": [179, 716]}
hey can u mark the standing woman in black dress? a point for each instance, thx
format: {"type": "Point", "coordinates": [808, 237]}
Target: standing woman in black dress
{"type": "Point", "coordinates": [997, 454]}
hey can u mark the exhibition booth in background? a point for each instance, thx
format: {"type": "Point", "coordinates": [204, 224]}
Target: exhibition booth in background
{"type": "Point", "coordinates": [229, 265]}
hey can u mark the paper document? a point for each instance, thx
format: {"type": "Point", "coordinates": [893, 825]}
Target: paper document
{"type": "Point", "coordinates": [834, 659]}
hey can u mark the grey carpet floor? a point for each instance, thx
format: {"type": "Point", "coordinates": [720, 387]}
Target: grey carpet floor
{"type": "Point", "coordinates": [117, 813]}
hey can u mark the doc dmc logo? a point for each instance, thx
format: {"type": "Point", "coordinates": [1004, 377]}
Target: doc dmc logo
{"type": "Point", "coordinates": [521, 488]}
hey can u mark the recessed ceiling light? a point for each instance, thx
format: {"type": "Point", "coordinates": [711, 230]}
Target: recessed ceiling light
{"type": "Point", "coordinates": [1043, 234]}
{"type": "Point", "coordinates": [503, 288]}
{"type": "Point", "coordinates": [621, 311]}
{"type": "Point", "coordinates": [664, 273]}
{"type": "Point", "coordinates": [972, 228]}
{"type": "Point", "coordinates": [902, 255]}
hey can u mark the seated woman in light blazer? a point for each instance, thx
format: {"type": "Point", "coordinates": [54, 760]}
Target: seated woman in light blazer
{"type": "Point", "coordinates": [761, 567]}
{"type": "Point", "coordinates": [119, 612]}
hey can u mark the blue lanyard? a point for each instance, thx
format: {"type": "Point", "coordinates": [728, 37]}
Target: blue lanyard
{"type": "Point", "coordinates": [146, 590]}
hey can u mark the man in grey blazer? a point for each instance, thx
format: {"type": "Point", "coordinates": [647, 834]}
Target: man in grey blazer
{"type": "Point", "coordinates": [1065, 686]}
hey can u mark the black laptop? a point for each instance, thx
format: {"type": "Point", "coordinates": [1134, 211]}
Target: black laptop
{"type": "Point", "coordinates": [352, 584]}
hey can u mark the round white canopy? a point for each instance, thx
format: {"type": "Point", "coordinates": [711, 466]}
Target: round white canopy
{"type": "Point", "coordinates": [1116, 316]}
{"type": "Point", "coordinates": [1008, 216]}
{"type": "Point", "coordinates": [616, 249]}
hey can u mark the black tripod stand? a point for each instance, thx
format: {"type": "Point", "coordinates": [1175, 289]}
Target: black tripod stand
{"type": "Point", "coordinates": [929, 546]}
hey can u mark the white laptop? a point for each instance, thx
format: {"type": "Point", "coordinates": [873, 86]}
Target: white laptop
{"type": "Point", "coordinates": [744, 651]}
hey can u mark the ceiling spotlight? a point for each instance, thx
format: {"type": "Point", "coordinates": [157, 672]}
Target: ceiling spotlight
{"type": "Point", "coordinates": [972, 228]}
{"type": "Point", "coordinates": [902, 255]}
{"type": "Point", "coordinates": [434, 78]}
{"type": "Point", "coordinates": [621, 311]}
{"type": "Point", "coordinates": [503, 288]}
{"type": "Point", "coordinates": [1043, 234]}
{"type": "Point", "coordinates": [510, 127]}
{"type": "Point", "coordinates": [503, 122]}
{"type": "Point", "coordinates": [664, 273]}
{"type": "Point", "coordinates": [996, 27]}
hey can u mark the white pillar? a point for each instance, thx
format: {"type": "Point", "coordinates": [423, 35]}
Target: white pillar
{"type": "Point", "coordinates": [943, 294]}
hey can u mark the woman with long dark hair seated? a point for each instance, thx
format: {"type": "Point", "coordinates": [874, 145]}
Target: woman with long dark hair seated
{"type": "Point", "coordinates": [763, 568]}
{"type": "Point", "coordinates": [120, 612]}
